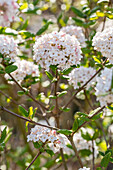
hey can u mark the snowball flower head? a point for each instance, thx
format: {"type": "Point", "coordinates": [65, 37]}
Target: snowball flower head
{"type": "Point", "coordinates": [47, 136]}
{"type": "Point", "coordinates": [103, 42]}
{"type": "Point", "coordinates": [103, 89]}
{"type": "Point", "coordinates": [80, 76]}
{"type": "Point", "coordinates": [8, 11]}
{"type": "Point", "coordinates": [8, 48]}
{"type": "Point", "coordinates": [84, 168]}
{"type": "Point", "coordinates": [24, 68]}
{"type": "Point", "coordinates": [77, 32]}
{"type": "Point", "coordinates": [57, 48]}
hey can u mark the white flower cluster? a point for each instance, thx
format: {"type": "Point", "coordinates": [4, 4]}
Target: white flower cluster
{"type": "Point", "coordinates": [81, 143]}
{"type": "Point", "coordinates": [57, 48]}
{"type": "Point", "coordinates": [8, 11]}
{"type": "Point", "coordinates": [84, 168]}
{"type": "Point", "coordinates": [47, 136]}
{"type": "Point", "coordinates": [24, 68]}
{"type": "Point", "coordinates": [80, 76]}
{"type": "Point", "coordinates": [103, 89]}
{"type": "Point", "coordinates": [77, 32]}
{"type": "Point", "coordinates": [8, 48]}
{"type": "Point", "coordinates": [103, 42]}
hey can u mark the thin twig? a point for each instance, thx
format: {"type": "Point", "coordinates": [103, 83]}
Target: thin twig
{"type": "Point", "coordinates": [104, 21]}
{"type": "Point", "coordinates": [82, 87]}
{"type": "Point", "coordinates": [93, 150]}
{"type": "Point", "coordinates": [26, 119]}
{"type": "Point", "coordinates": [63, 159]}
{"type": "Point", "coordinates": [86, 97]}
{"type": "Point", "coordinates": [29, 95]}
{"type": "Point", "coordinates": [76, 152]}
{"type": "Point", "coordinates": [34, 160]}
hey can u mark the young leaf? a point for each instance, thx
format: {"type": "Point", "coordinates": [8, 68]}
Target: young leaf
{"type": "Point", "coordinates": [75, 125]}
{"type": "Point", "coordinates": [50, 152]}
{"type": "Point", "coordinates": [105, 160]}
{"type": "Point", "coordinates": [20, 93]}
{"type": "Point", "coordinates": [23, 111]}
{"type": "Point", "coordinates": [3, 135]}
{"type": "Point", "coordinates": [67, 71]}
{"type": "Point", "coordinates": [78, 12]}
{"type": "Point", "coordinates": [62, 93]}
{"type": "Point", "coordinates": [10, 69]}
{"type": "Point", "coordinates": [49, 75]}
{"type": "Point", "coordinates": [64, 131]}
{"type": "Point", "coordinates": [44, 28]}
{"type": "Point", "coordinates": [65, 109]}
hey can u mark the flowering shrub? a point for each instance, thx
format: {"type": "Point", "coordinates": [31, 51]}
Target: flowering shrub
{"type": "Point", "coordinates": [56, 85]}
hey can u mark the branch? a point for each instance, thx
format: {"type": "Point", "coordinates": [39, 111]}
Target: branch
{"type": "Point", "coordinates": [63, 159]}
{"type": "Point", "coordinates": [29, 95]}
{"type": "Point", "coordinates": [34, 160]}
{"type": "Point", "coordinates": [82, 87]}
{"type": "Point", "coordinates": [76, 152]}
{"type": "Point", "coordinates": [26, 119]}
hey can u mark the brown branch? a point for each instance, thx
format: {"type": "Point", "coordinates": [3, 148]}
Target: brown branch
{"type": "Point", "coordinates": [104, 21]}
{"type": "Point", "coordinates": [82, 87]}
{"type": "Point", "coordinates": [93, 150]}
{"type": "Point", "coordinates": [34, 160]}
{"type": "Point", "coordinates": [29, 95]}
{"type": "Point", "coordinates": [26, 119]}
{"type": "Point", "coordinates": [76, 152]}
{"type": "Point", "coordinates": [86, 97]}
{"type": "Point", "coordinates": [63, 159]}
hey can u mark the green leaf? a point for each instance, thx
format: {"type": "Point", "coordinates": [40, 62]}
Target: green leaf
{"type": "Point", "coordinates": [94, 10]}
{"type": "Point", "coordinates": [82, 119]}
{"type": "Point", "coordinates": [78, 21]}
{"type": "Point", "coordinates": [53, 68]}
{"type": "Point", "coordinates": [99, 168]}
{"type": "Point", "coordinates": [86, 136]}
{"type": "Point", "coordinates": [37, 144]}
{"type": "Point", "coordinates": [67, 71]}
{"type": "Point", "coordinates": [49, 75]}
{"type": "Point", "coordinates": [110, 107]}
{"type": "Point", "coordinates": [62, 93]}
{"type": "Point", "coordinates": [85, 152]}
{"type": "Point", "coordinates": [96, 134]}
{"type": "Point", "coordinates": [23, 111]}
{"type": "Point", "coordinates": [75, 125]}
{"type": "Point", "coordinates": [35, 2]}
{"type": "Point", "coordinates": [101, 153]}
{"type": "Point", "coordinates": [20, 93]}
{"type": "Point", "coordinates": [65, 109]}
{"type": "Point", "coordinates": [78, 12]}
{"type": "Point", "coordinates": [3, 135]}
{"type": "Point", "coordinates": [52, 97]}
{"type": "Point", "coordinates": [50, 152]}
{"type": "Point", "coordinates": [2, 146]}
{"type": "Point", "coordinates": [105, 160]}
{"type": "Point", "coordinates": [44, 28]}
{"type": "Point", "coordinates": [112, 81]}
{"type": "Point", "coordinates": [10, 69]}
{"type": "Point", "coordinates": [64, 131]}
{"type": "Point", "coordinates": [34, 111]}
{"type": "Point", "coordinates": [24, 26]}
{"type": "Point", "coordinates": [82, 114]}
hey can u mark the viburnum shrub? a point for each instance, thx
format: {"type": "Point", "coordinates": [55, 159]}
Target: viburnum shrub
{"type": "Point", "coordinates": [56, 85]}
